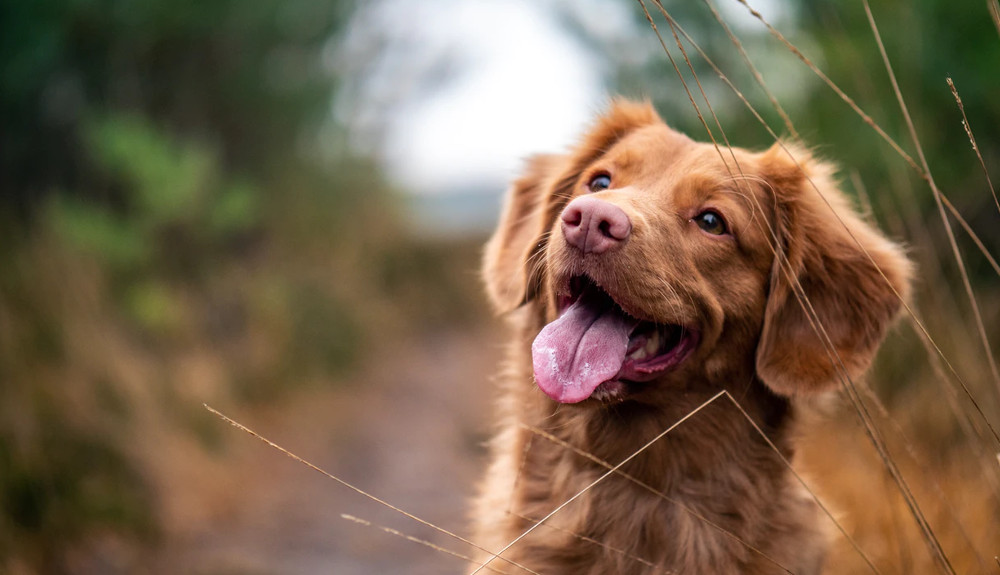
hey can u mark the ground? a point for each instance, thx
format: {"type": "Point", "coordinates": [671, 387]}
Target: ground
{"type": "Point", "coordinates": [408, 428]}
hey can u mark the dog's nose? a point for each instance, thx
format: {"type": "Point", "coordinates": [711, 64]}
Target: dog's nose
{"type": "Point", "coordinates": [595, 226]}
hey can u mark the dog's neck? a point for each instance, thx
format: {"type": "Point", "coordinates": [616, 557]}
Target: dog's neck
{"type": "Point", "coordinates": [693, 438]}
{"type": "Point", "coordinates": [698, 495]}
{"type": "Point", "coordinates": [704, 432]}
{"type": "Point", "coordinates": [712, 477]}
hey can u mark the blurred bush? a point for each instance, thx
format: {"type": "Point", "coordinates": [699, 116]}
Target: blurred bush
{"type": "Point", "coordinates": [176, 216]}
{"type": "Point", "coordinates": [181, 223]}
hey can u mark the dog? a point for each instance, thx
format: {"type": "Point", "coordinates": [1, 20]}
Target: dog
{"type": "Point", "coordinates": [642, 274]}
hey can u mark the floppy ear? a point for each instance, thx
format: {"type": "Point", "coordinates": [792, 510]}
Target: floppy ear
{"type": "Point", "coordinates": [512, 266]}
{"type": "Point", "coordinates": [825, 276]}
{"type": "Point", "coordinates": [517, 240]}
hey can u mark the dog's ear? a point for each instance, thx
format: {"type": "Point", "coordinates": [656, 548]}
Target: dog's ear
{"type": "Point", "coordinates": [832, 270]}
{"type": "Point", "coordinates": [518, 238]}
{"type": "Point", "coordinates": [512, 266]}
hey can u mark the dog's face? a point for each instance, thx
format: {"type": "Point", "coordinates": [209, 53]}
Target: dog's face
{"type": "Point", "coordinates": [655, 260]}
{"type": "Point", "coordinates": [687, 271]}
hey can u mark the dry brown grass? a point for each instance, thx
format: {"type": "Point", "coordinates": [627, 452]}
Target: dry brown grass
{"type": "Point", "coordinates": [951, 475]}
{"type": "Point", "coordinates": [934, 431]}
{"type": "Point", "coordinates": [915, 484]}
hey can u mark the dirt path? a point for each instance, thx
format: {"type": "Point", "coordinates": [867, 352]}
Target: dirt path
{"type": "Point", "coordinates": [408, 430]}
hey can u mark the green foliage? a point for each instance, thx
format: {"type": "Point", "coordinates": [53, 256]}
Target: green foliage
{"type": "Point", "coordinates": [62, 485]}
{"type": "Point", "coordinates": [156, 164]}
{"type": "Point", "coordinates": [247, 77]}
{"type": "Point", "coordinates": [926, 42]}
{"type": "Point", "coordinates": [334, 332]}
{"type": "Point", "coordinates": [97, 230]}
{"type": "Point", "coordinates": [167, 182]}
{"type": "Point", "coordinates": [178, 213]}
{"type": "Point", "coordinates": [435, 283]}
{"type": "Point", "coordinates": [63, 477]}
{"type": "Point", "coordinates": [175, 238]}
{"type": "Point", "coordinates": [235, 211]}
{"type": "Point", "coordinates": [160, 158]}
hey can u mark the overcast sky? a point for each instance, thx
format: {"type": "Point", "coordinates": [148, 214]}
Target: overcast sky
{"type": "Point", "coordinates": [454, 94]}
{"type": "Point", "coordinates": [514, 83]}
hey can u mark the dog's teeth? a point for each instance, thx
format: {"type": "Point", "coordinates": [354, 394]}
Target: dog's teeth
{"type": "Point", "coordinates": [652, 344]}
{"type": "Point", "coordinates": [648, 349]}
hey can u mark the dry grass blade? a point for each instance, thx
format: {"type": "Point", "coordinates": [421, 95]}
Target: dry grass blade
{"type": "Point", "coordinates": [973, 433]}
{"type": "Point", "coordinates": [651, 490]}
{"type": "Point", "coordinates": [753, 70]}
{"type": "Point", "coordinates": [677, 70]}
{"type": "Point", "coordinates": [724, 78]}
{"type": "Point", "coordinates": [598, 480]}
{"type": "Point", "coordinates": [971, 428]}
{"type": "Point", "coordinates": [866, 418]}
{"type": "Point", "coordinates": [907, 203]}
{"type": "Point", "coordinates": [972, 235]}
{"type": "Point", "coordinates": [874, 433]}
{"type": "Point", "coordinates": [972, 140]}
{"type": "Point", "coordinates": [868, 120]}
{"type": "Point", "coordinates": [955, 213]}
{"type": "Point", "coordinates": [801, 481]}
{"type": "Point", "coordinates": [593, 541]}
{"type": "Point", "coordinates": [752, 110]}
{"type": "Point", "coordinates": [916, 457]}
{"type": "Point", "coordinates": [413, 539]}
{"type": "Point", "coordinates": [673, 30]}
{"type": "Point", "coordinates": [868, 422]}
{"type": "Point", "coordinates": [357, 490]}
{"type": "Point", "coordinates": [937, 198]}
{"type": "Point", "coordinates": [995, 14]}
{"type": "Point", "coordinates": [674, 27]}
{"type": "Point", "coordinates": [863, 197]}
{"type": "Point", "coordinates": [833, 86]}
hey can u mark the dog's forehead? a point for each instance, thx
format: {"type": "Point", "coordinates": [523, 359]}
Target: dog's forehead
{"type": "Point", "coordinates": [658, 155]}
{"type": "Point", "coordinates": [653, 145]}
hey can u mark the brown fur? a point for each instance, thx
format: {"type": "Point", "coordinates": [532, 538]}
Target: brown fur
{"type": "Point", "coordinates": [728, 505]}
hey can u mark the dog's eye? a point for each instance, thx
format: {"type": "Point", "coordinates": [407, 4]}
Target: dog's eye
{"type": "Point", "coordinates": [711, 222]}
{"type": "Point", "coordinates": [599, 182]}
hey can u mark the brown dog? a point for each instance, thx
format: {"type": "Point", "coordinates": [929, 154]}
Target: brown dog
{"type": "Point", "coordinates": [640, 275]}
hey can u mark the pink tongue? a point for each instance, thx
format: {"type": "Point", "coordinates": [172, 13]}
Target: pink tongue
{"type": "Point", "coordinates": [582, 349]}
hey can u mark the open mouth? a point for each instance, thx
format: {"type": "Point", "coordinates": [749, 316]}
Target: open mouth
{"type": "Point", "coordinates": [595, 349]}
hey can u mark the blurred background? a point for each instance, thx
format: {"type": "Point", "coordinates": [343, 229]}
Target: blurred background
{"type": "Point", "coordinates": [276, 208]}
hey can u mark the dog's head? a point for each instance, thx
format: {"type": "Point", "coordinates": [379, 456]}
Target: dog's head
{"type": "Point", "coordinates": [654, 258]}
